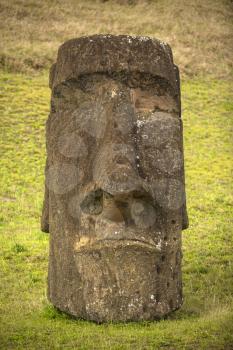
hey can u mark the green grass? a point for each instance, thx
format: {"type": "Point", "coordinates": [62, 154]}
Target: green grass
{"type": "Point", "coordinates": [27, 320]}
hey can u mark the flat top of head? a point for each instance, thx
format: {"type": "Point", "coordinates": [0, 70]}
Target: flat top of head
{"type": "Point", "coordinates": [113, 53]}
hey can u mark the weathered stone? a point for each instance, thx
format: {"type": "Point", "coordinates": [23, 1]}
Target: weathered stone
{"type": "Point", "coordinates": [114, 198]}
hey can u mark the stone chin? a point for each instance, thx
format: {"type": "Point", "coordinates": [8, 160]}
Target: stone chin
{"type": "Point", "coordinates": [120, 281]}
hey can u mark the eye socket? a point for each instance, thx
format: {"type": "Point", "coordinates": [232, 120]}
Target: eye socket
{"type": "Point", "coordinates": [93, 203]}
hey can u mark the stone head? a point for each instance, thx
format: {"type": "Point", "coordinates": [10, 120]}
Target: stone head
{"type": "Point", "coordinates": [115, 199]}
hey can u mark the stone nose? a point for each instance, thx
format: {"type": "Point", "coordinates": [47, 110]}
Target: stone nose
{"type": "Point", "coordinates": [115, 169]}
{"type": "Point", "coordinates": [115, 165]}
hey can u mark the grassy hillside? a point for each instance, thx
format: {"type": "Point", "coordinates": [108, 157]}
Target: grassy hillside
{"type": "Point", "coordinates": [199, 33]}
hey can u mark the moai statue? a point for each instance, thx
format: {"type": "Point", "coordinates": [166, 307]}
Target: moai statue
{"type": "Point", "coordinates": [114, 198]}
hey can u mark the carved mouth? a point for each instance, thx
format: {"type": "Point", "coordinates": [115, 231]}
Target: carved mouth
{"type": "Point", "coordinates": [91, 245]}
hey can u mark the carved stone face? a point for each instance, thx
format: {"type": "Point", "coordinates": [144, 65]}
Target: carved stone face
{"type": "Point", "coordinates": [116, 196]}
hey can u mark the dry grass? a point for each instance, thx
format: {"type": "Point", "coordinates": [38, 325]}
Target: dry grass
{"type": "Point", "coordinates": [200, 32]}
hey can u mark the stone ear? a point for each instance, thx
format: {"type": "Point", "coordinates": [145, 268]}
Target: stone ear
{"type": "Point", "coordinates": [52, 75]}
{"type": "Point", "coordinates": [177, 74]}
{"type": "Point", "coordinates": [45, 212]}
{"type": "Point", "coordinates": [45, 209]}
{"type": "Point", "coordinates": [185, 220]}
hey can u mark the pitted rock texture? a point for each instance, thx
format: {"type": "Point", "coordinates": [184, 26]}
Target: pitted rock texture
{"type": "Point", "coordinates": [115, 194]}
